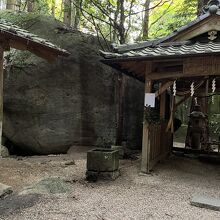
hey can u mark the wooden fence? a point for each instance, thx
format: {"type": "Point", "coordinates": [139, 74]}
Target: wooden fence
{"type": "Point", "coordinates": [160, 143]}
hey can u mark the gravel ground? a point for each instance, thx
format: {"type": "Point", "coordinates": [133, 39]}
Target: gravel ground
{"type": "Point", "coordinates": [165, 194]}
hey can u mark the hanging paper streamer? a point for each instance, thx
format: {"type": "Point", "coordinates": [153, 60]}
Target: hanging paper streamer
{"type": "Point", "coordinates": [213, 85]}
{"type": "Point", "coordinates": [192, 89]}
{"type": "Point", "coordinates": [174, 88]}
{"type": "Point", "coordinates": [213, 90]}
{"type": "Point", "coordinates": [196, 101]}
{"type": "Point", "coordinates": [4, 63]}
{"type": "Point", "coordinates": [213, 100]}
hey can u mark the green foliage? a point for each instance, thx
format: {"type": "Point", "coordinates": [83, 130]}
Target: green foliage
{"type": "Point", "coordinates": [119, 24]}
{"type": "Point", "coordinates": [171, 16]}
{"type": "Point", "coordinates": [214, 116]}
{"type": "Point", "coordinates": [21, 19]}
{"type": "Point", "coordinates": [151, 115]}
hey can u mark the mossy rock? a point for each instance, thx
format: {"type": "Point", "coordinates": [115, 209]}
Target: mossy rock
{"type": "Point", "coordinates": [50, 107]}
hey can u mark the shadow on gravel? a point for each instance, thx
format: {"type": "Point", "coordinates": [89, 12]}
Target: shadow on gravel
{"type": "Point", "coordinates": [15, 203]}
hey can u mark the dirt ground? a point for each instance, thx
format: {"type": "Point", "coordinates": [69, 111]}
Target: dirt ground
{"type": "Point", "coordinates": [164, 194]}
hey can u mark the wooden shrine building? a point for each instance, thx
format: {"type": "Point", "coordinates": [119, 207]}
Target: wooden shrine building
{"type": "Point", "coordinates": [11, 36]}
{"type": "Point", "coordinates": [186, 60]}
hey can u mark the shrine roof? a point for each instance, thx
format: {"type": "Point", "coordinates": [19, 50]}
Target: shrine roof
{"type": "Point", "coordinates": [166, 50]}
{"type": "Point", "coordinates": [22, 39]}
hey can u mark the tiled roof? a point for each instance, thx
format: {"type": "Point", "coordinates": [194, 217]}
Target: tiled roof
{"type": "Point", "coordinates": [168, 50]}
{"type": "Point", "coordinates": [13, 31]}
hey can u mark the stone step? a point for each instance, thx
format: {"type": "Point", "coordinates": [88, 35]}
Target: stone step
{"type": "Point", "coordinates": [206, 202]}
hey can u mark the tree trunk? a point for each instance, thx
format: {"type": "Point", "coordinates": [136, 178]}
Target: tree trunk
{"type": "Point", "coordinates": [114, 33]}
{"type": "Point", "coordinates": [19, 5]}
{"type": "Point", "coordinates": [11, 4]}
{"type": "Point", "coordinates": [67, 12]}
{"type": "Point", "coordinates": [201, 4]}
{"type": "Point", "coordinates": [53, 6]}
{"type": "Point", "coordinates": [31, 5]}
{"type": "Point", "coordinates": [121, 28]}
{"type": "Point", "coordinates": [77, 15]}
{"type": "Point", "coordinates": [146, 20]}
{"type": "Point", "coordinates": [1, 91]}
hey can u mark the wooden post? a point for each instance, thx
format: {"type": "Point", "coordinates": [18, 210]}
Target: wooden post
{"type": "Point", "coordinates": [146, 139]}
{"type": "Point", "coordinates": [1, 92]}
{"type": "Point", "coordinates": [163, 105]}
{"type": "Point", "coordinates": [120, 109]}
{"type": "Point", "coordinates": [206, 98]}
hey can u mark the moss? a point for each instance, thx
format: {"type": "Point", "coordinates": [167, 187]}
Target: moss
{"type": "Point", "coordinates": [51, 29]}
{"type": "Point", "coordinates": [21, 19]}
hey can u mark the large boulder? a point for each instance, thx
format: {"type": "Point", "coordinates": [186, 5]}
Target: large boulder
{"type": "Point", "coordinates": [49, 107]}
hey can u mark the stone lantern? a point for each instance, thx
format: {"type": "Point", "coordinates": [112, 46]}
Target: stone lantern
{"type": "Point", "coordinates": [197, 127]}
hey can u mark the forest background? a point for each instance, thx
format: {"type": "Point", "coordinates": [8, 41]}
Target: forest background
{"type": "Point", "coordinates": [117, 21]}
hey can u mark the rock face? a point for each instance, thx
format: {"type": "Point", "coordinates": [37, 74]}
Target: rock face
{"type": "Point", "coordinates": [50, 107]}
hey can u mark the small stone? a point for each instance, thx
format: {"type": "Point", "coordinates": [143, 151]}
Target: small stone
{"type": "Point", "coordinates": [206, 202]}
{"type": "Point", "coordinates": [4, 151]}
{"type": "Point", "coordinates": [52, 185]}
{"type": "Point", "coordinates": [69, 163]}
{"type": "Point", "coordinates": [5, 190]}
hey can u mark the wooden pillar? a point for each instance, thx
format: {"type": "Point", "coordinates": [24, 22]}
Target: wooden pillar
{"type": "Point", "coordinates": [146, 140]}
{"type": "Point", "coordinates": [206, 97]}
{"type": "Point", "coordinates": [163, 105]}
{"type": "Point", "coordinates": [1, 91]}
{"type": "Point", "coordinates": [120, 109]}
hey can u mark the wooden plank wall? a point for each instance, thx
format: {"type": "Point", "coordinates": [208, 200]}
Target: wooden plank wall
{"type": "Point", "coordinates": [160, 141]}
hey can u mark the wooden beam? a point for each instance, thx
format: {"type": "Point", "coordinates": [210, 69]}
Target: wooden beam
{"type": "Point", "coordinates": [209, 24]}
{"type": "Point", "coordinates": [41, 52]}
{"type": "Point", "coordinates": [163, 88]}
{"type": "Point", "coordinates": [201, 66]}
{"type": "Point", "coordinates": [146, 138]}
{"type": "Point", "coordinates": [165, 75]}
{"type": "Point", "coordinates": [1, 91]}
{"type": "Point", "coordinates": [136, 68]}
{"type": "Point", "coordinates": [4, 43]}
